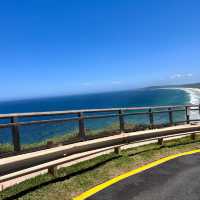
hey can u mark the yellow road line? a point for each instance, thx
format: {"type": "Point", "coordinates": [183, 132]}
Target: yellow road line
{"type": "Point", "coordinates": [102, 186]}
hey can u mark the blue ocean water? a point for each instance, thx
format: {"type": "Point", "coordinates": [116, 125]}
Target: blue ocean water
{"type": "Point", "coordinates": [131, 98]}
{"type": "Point", "coordinates": [142, 97]}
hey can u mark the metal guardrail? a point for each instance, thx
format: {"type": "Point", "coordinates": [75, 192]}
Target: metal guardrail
{"type": "Point", "coordinates": [82, 115]}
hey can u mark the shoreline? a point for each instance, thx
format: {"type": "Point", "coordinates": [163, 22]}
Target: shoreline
{"type": "Point", "coordinates": [194, 93]}
{"type": "Point", "coordinates": [194, 96]}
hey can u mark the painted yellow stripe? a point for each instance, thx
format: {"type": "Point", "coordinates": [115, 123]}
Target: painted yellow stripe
{"type": "Point", "coordinates": [131, 173]}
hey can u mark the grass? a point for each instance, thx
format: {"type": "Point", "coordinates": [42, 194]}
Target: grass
{"type": "Point", "coordinates": [73, 180]}
{"type": "Point", "coordinates": [56, 139]}
{"type": "Point", "coordinates": [6, 147]}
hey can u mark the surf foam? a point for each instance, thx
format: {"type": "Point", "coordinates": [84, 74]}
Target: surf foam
{"type": "Point", "coordinates": [194, 94]}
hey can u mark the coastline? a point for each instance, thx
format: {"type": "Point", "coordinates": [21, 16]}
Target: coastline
{"type": "Point", "coordinates": [194, 93]}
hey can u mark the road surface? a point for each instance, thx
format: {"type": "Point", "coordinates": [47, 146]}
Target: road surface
{"type": "Point", "coordinates": [177, 179]}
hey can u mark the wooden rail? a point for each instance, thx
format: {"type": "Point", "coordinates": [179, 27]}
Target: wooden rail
{"type": "Point", "coordinates": [82, 115]}
{"type": "Point", "coordinates": [17, 166]}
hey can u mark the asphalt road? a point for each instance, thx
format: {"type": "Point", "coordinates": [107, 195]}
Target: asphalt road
{"type": "Point", "coordinates": [177, 179]}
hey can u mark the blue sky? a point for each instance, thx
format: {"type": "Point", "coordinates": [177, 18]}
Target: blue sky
{"type": "Point", "coordinates": [54, 47]}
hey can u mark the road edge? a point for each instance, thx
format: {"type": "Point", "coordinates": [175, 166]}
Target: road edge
{"type": "Point", "coordinates": [106, 184]}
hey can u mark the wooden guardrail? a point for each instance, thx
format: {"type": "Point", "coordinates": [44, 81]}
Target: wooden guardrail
{"type": "Point", "coordinates": [82, 115]}
{"type": "Point", "coordinates": [20, 165]}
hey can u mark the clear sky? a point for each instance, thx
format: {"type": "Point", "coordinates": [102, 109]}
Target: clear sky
{"type": "Point", "coordinates": [55, 47]}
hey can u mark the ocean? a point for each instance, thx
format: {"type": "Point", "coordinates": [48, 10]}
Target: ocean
{"type": "Point", "coordinates": [131, 98]}
{"type": "Point", "coordinates": [142, 97]}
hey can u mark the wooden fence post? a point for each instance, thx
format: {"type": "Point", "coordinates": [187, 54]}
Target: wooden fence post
{"type": "Point", "coordinates": [193, 136]}
{"type": "Point", "coordinates": [199, 108]}
{"type": "Point", "coordinates": [15, 135]}
{"type": "Point", "coordinates": [52, 170]}
{"type": "Point", "coordinates": [151, 120]}
{"type": "Point", "coordinates": [121, 121]}
{"type": "Point", "coordinates": [50, 144]}
{"type": "Point", "coordinates": [160, 141]}
{"type": "Point", "coordinates": [187, 114]}
{"type": "Point", "coordinates": [170, 116]}
{"type": "Point", "coordinates": [81, 126]}
{"type": "Point", "coordinates": [117, 150]}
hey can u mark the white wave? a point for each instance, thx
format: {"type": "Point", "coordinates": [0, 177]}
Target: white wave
{"type": "Point", "coordinates": [194, 94]}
